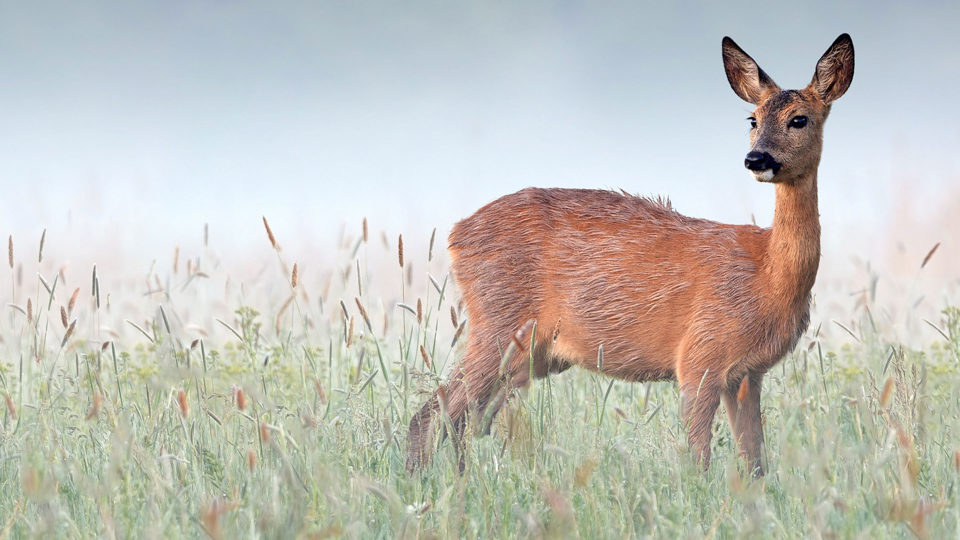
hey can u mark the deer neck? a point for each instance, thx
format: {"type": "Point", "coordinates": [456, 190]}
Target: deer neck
{"type": "Point", "coordinates": [794, 248]}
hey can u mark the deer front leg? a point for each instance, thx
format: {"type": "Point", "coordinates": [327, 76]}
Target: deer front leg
{"type": "Point", "coordinates": [742, 402]}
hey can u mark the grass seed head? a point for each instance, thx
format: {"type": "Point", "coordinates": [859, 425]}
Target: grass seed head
{"type": "Point", "coordinates": [29, 311]}
{"type": "Point", "coordinates": [400, 250]}
{"type": "Point", "coordinates": [264, 433]}
{"type": "Point", "coordinates": [70, 329]}
{"type": "Point", "coordinates": [273, 240]}
{"type": "Point", "coordinates": [453, 317]}
{"type": "Point", "coordinates": [419, 311]}
{"type": "Point", "coordinates": [73, 301]}
{"type": "Point", "coordinates": [425, 356]}
{"type": "Point", "coordinates": [442, 396]}
{"type": "Point", "coordinates": [456, 334]}
{"type": "Point", "coordinates": [251, 459]}
{"type": "Point", "coordinates": [887, 392]}
{"type": "Point", "coordinates": [10, 406]}
{"type": "Point", "coordinates": [350, 333]}
{"type": "Point", "coordinates": [365, 230]}
{"type": "Point", "coordinates": [293, 276]}
{"type": "Point", "coordinates": [43, 240]}
{"type": "Point", "coordinates": [182, 403]}
{"type": "Point", "coordinates": [240, 398]}
{"type": "Point", "coordinates": [363, 313]}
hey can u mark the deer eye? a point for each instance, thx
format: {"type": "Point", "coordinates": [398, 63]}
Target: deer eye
{"type": "Point", "coordinates": [753, 122]}
{"type": "Point", "coordinates": [798, 121]}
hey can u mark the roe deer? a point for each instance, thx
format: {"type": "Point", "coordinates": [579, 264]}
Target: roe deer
{"type": "Point", "coordinates": [711, 305]}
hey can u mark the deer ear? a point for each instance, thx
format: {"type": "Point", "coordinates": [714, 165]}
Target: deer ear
{"type": "Point", "coordinates": [834, 70]}
{"type": "Point", "coordinates": [745, 76]}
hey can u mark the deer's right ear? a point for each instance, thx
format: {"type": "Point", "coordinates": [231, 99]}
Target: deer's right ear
{"type": "Point", "coordinates": [745, 76]}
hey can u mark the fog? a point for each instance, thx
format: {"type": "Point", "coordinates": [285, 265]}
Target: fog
{"type": "Point", "coordinates": [132, 125]}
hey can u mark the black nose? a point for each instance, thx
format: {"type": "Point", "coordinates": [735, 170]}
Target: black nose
{"type": "Point", "coordinates": [760, 161]}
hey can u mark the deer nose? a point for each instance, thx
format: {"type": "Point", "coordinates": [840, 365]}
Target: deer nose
{"type": "Point", "coordinates": [759, 161]}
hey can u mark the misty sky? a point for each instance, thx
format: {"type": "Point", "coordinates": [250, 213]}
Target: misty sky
{"type": "Point", "coordinates": [149, 119]}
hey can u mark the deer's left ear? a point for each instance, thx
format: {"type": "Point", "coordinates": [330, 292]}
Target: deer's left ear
{"type": "Point", "coordinates": [834, 70]}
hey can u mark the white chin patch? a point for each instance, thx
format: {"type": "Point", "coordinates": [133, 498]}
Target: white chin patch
{"type": "Point", "coordinates": [765, 175]}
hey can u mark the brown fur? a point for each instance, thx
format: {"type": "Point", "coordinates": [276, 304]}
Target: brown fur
{"type": "Point", "coordinates": [666, 296]}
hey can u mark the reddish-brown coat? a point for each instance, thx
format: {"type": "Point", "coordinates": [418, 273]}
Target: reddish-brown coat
{"type": "Point", "coordinates": [665, 295]}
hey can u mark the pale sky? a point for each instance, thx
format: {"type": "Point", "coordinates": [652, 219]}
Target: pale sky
{"type": "Point", "coordinates": [140, 121]}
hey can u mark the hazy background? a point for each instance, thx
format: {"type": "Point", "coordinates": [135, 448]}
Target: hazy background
{"type": "Point", "coordinates": [125, 126]}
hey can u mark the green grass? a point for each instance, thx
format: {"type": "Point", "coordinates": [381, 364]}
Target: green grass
{"type": "Point", "coordinates": [318, 450]}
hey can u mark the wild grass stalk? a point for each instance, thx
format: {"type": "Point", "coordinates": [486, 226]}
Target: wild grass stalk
{"type": "Point", "coordinates": [860, 428]}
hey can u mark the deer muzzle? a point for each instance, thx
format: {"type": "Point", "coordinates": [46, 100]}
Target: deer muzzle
{"type": "Point", "coordinates": [762, 165]}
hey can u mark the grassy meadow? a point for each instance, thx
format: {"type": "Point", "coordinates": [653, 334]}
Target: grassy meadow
{"type": "Point", "coordinates": [184, 401]}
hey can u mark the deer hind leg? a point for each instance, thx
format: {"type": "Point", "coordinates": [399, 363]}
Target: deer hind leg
{"type": "Point", "coordinates": [469, 386]}
{"type": "Point", "coordinates": [742, 401]}
{"type": "Point", "coordinates": [449, 399]}
{"type": "Point", "coordinates": [514, 370]}
{"type": "Point", "coordinates": [481, 383]}
{"type": "Point", "coordinates": [700, 396]}
{"type": "Point", "coordinates": [520, 370]}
